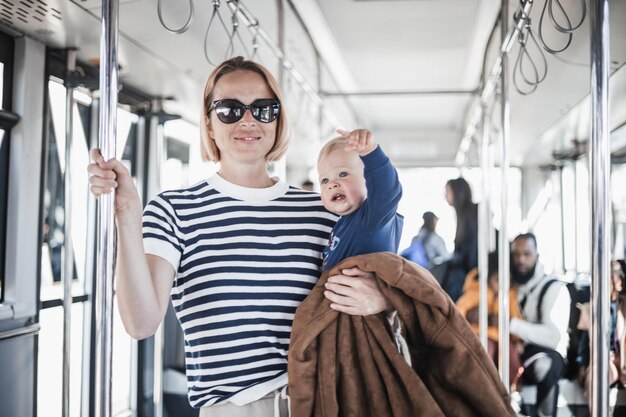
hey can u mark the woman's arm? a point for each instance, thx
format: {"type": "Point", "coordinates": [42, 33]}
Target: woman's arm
{"type": "Point", "coordinates": [143, 282]}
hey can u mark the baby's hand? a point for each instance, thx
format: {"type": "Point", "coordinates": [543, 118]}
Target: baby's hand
{"type": "Point", "coordinates": [360, 140]}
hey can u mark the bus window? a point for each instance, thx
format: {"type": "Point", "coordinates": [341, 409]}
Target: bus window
{"type": "Point", "coordinates": [51, 289]}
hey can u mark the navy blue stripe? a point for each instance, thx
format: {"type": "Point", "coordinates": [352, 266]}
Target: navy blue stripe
{"type": "Point", "coordinates": [238, 336]}
{"type": "Point", "coordinates": [321, 234]}
{"type": "Point", "coordinates": [212, 312]}
{"type": "Point", "coordinates": [236, 374]}
{"type": "Point", "coordinates": [300, 197]}
{"type": "Point", "coordinates": [204, 200]}
{"type": "Point", "coordinates": [212, 298]}
{"type": "Point", "coordinates": [238, 349]}
{"type": "Point", "coordinates": [217, 283]}
{"type": "Point", "coordinates": [253, 245]}
{"type": "Point", "coordinates": [155, 203]}
{"type": "Point", "coordinates": [274, 258]}
{"type": "Point", "coordinates": [248, 220]}
{"type": "Point", "coordinates": [239, 322]}
{"type": "Point", "coordinates": [236, 362]}
{"type": "Point", "coordinates": [162, 238]}
{"type": "Point", "coordinates": [241, 207]}
{"type": "Point", "coordinates": [247, 270]}
{"type": "Point", "coordinates": [149, 222]}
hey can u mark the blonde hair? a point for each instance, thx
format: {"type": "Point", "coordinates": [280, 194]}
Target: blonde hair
{"type": "Point", "coordinates": [330, 146]}
{"type": "Point", "coordinates": [209, 150]}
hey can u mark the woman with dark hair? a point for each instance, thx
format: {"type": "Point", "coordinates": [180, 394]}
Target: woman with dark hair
{"type": "Point", "coordinates": [465, 256]}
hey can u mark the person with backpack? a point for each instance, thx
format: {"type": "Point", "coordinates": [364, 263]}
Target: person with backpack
{"type": "Point", "coordinates": [427, 248]}
{"type": "Point", "coordinates": [545, 305]}
{"type": "Point", "coordinates": [435, 247]}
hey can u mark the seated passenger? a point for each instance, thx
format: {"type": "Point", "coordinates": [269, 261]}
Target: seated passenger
{"type": "Point", "coordinates": [617, 366]}
{"type": "Point", "coordinates": [468, 307]}
{"type": "Point", "coordinates": [543, 328]}
{"type": "Point", "coordinates": [434, 245]}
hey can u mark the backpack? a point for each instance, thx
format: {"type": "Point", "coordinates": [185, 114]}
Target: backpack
{"type": "Point", "coordinates": [578, 342]}
{"type": "Point", "coordinates": [416, 253]}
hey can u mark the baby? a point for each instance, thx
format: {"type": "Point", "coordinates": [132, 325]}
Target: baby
{"type": "Point", "coordinates": [358, 183]}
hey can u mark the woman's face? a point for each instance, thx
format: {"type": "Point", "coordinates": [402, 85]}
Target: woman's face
{"type": "Point", "coordinates": [246, 141]}
{"type": "Point", "coordinates": [449, 195]}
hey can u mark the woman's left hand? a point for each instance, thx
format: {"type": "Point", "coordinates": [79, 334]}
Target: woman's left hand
{"type": "Point", "coordinates": [356, 292]}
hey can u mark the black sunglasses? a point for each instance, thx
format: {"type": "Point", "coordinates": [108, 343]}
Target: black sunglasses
{"type": "Point", "coordinates": [229, 110]}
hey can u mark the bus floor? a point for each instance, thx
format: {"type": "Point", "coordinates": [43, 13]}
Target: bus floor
{"type": "Point", "coordinates": [572, 402]}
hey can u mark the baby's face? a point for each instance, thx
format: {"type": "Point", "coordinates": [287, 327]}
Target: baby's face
{"type": "Point", "coordinates": [342, 183]}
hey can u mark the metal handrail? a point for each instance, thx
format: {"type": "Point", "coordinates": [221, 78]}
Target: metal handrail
{"type": "Point", "coordinates": [106, 224]}
{"type": "Point", "coordinates": [600, 168]}
{"type": "Point", "coordinates": [22, 331]}
{"type": "Point", "coordinates": [493, 79]}
{"type": "Point", "coordinates": [68, 251]}
{"type": "Point", "coordinates": [503, 244]}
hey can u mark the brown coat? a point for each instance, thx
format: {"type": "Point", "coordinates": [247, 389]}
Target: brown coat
{"type": "Point", "coordinates": [348, 366]}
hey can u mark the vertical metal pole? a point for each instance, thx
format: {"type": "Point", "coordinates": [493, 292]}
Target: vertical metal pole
{"type": "Point", "coordinates": [157, 134]}
{"type": "Point", "coordinates": [576, 227]}
{"type": "Point", "coordinates": [503, 270]}
{"type": "Point", "coordinates": [68, 254]}
{"type": "Point", "coordinates": [562, 206]}
{"type": "Point", "coordinates": [484, 228]}
{"type": "Point", "coordinates": [600, 159]}
{"type": "Point", "coordinates": [555, 180]}
{"type": "Point", "coordinates": [106, 212]}
{"type": "Point", "coordinates": [89, 271]}
{"type": "Point", "coordinates": [280, 18]}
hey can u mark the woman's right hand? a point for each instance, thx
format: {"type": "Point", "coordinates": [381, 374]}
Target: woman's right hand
{"type": "Point", "coordinates": [110, 175]}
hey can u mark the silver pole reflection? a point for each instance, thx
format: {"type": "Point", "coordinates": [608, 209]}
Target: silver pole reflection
{"type": "Point", "coordinates": [600, 160]}
{"type": "Point", "coordinates": [68, 254]}
{"type": "Point", "coordinates": [106, 212]}
{"type": "Point", "coordinates": [484, 228]}
{"type": "Point", "coordinates": [503, 261]}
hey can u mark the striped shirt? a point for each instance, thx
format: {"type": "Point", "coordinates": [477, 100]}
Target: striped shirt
{"type": "Point", "coordinates": [244, 258]}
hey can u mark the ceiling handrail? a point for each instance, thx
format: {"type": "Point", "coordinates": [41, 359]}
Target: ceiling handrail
{"type": "Point", "coordinates": [522, 56]}
{"type": "Point", "coordinates": [253, 25]}
{"type": "Point", "coordinates": [184, 27]}
{"type": "Point", "coordinates": [216, 11]}
{"type": "Point", "coordinates": [491, 83]}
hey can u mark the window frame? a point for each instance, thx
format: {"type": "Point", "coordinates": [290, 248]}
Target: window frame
{"type": "Point", "coordinates": [8, 119]}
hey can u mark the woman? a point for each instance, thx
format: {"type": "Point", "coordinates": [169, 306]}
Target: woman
{"type": "Point", "coordinates": [238, 252]}
{"type": "Point", "coordinates": [465, 256]}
